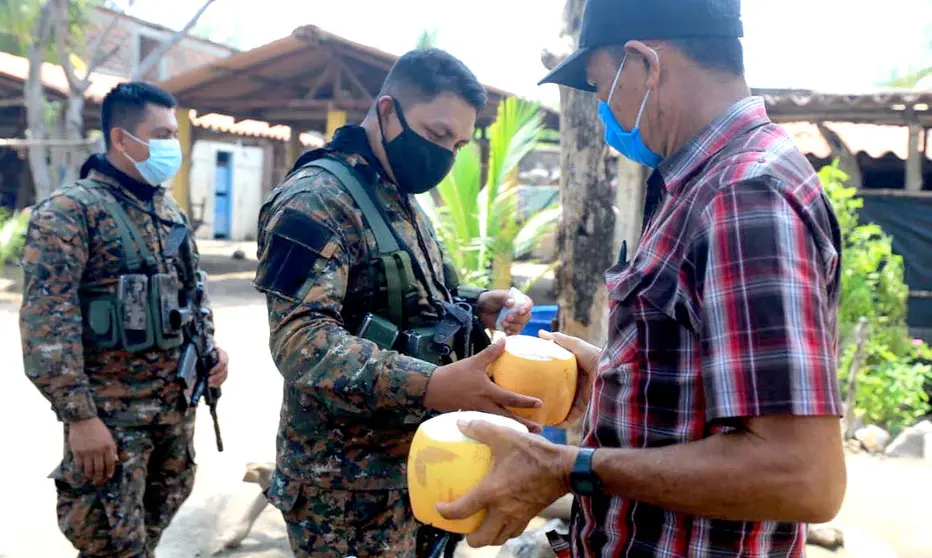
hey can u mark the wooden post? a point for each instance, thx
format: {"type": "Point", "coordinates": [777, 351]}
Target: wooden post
{"type": "Point", "coordinates": [181, 185]}
{"type": "Point", "coordinates": [335, 119]}
{"type": "Point", "coordinates": [914, 158]}
{"type": "Point", "coordinates": [295, 148]}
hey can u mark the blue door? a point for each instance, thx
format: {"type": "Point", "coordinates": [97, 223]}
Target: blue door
{"type": "Point", "coordinates": [223, 196]}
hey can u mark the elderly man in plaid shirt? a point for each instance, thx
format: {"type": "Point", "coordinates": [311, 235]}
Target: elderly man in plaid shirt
{"type": "Point", "coordinates": [712, 427]}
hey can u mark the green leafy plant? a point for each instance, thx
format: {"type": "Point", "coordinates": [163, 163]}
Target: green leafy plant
{"type": "Point", "coordinates": [479, 223]}
{"type": "Point", "coordinates": [890, 385]}
{"type": "Point", "coordinates": [12, 235]}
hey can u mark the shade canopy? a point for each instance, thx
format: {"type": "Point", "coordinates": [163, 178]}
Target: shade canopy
{"type": "Point", "coordinates": [296, 80]}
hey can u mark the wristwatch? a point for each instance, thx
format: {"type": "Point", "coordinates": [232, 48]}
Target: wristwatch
{"type": "Point", "coordinates": [583, 480]}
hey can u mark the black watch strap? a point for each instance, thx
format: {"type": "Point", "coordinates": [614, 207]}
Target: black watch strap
{"type": "Point", "coordinates": [583, 480]}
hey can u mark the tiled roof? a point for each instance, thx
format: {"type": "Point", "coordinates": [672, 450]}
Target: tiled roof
{"type": "Point", "coordinates": [16, 69]}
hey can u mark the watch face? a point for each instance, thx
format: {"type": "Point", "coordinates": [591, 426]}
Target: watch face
{"type": "Point", "coordinates": [584, 486]}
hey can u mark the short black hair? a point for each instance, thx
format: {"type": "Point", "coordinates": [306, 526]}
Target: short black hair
{"type": "Point", "coordinates": [125, 106]}
{"type": "Point", "coordinates": [421, 75]}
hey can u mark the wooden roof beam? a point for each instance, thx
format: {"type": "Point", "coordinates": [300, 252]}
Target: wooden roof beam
{"type": "Point", "coordinates": [356, 83]}
{"type": "Point", "coordinates": [321, 104]}
{"type": "Point", "coordinates": [325, 78]}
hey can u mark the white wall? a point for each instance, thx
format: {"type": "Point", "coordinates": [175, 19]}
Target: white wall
{"type": "Point", "coordinates": [247, 187]}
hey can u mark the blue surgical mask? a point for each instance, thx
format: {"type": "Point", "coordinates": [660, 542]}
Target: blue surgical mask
{"type": "Point", "coordinates": [630, 144]}
{"type": "Point", "coordinates": [163, 162]}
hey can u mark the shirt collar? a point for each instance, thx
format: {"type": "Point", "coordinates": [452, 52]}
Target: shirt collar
{"type": "Point", "coordinates": [746, 114]}
{"type": "Point", "coordinates": [98, 168]}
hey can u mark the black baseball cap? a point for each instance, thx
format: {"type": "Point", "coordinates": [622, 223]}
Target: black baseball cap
{"type": "Point", "coordinates": [615, 22]}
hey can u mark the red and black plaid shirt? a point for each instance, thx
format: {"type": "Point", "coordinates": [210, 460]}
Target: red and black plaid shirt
{"type": "Point", "coordinates": [726, 311]}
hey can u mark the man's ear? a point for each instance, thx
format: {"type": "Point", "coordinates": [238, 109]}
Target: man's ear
{"type": "Point", "coordinates": [385, 108]}
{"type": "Point", "coordinates": [650, 59]}
{"type": "Point", "coordinates": [116, 138]}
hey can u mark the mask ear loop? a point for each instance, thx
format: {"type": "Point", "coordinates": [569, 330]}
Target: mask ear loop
{"type": "Point", "coordinates": [615, 82]}
{"type": "Point", "coordinates": [125, 154]}
{"type": "Point", "coordinates": [637, 121]}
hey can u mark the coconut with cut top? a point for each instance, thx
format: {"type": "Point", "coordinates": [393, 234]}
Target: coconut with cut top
{"type": "Point", "coordinates": [538, 368]}
{"type": "Point", "coordinates": [444, 464]}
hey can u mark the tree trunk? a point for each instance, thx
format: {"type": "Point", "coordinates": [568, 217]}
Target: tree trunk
{"type": "Point", "coordinates": [630, 188]}
{"type": "Point", "coordinates": [847, 161]}
{"type": "Point", "coordinates": [588, 221]}
{"type": "Point", "coordinates": [34, 98]}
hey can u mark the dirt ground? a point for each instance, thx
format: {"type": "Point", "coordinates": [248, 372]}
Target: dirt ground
{"type": "Point", "coordinates": [886, 509]}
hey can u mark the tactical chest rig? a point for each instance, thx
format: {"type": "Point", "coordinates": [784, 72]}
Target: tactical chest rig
{"type": "Point", "coordinates": [402, 327]}
{"type": "Point", "coordinates": [146, 311]}
{"type": "Point", "coordinates": [152, 310]}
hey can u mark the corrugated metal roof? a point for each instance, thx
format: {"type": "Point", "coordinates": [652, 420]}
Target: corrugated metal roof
{"type": "Point", "coordinates": [873, 107]}
{"type": "Point", "coordinates": [871, 140]}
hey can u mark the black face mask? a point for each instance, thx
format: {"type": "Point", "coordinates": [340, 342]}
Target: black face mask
{"type": "Point", "coordinates": [417, 163]}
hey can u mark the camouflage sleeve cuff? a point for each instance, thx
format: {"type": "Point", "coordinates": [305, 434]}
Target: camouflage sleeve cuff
{"type": "Point", "coordinates": [413, 376]}
{"type": "Point", "coordinates": [79, 405]}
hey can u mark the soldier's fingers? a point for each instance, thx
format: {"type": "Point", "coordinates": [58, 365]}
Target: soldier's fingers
{"type": "Point", "coordinates": [505, 398]}
{"type": "Point", "coordinates": [217, 379]}
{"type": "Point", "coordinates": [97, 475]}
{"type": "Point", "coordinates": [526, 307]}
{"type": "Point", "coordinates": [83, 465]}
{"type": "Point", "coordinates": [109, 464]}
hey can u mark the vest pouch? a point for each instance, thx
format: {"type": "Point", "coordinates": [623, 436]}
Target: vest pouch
{"type": "Point", "coordinates": [169, 316]}
{"type": "Point", "coordinates": [99, 317]}
{"type": "Point", "coordinates": [135, 318]}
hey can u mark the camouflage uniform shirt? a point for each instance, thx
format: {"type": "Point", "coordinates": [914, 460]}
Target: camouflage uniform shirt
{"type": "Point", "coordinates": [73, 247]}
{"type": "Point", "coordinates": [349, 409]}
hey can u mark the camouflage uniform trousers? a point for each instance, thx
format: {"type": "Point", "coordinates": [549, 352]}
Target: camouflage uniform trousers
{"type": "Point", "coordinates": [338, 523]}
{"type": "Point", "coordinates": [125, 517]}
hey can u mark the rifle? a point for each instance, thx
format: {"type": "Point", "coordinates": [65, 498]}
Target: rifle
{"type": "Point", "coordinates": [199, 355]}
{"type": "Point", "coordinates": [435, 543]}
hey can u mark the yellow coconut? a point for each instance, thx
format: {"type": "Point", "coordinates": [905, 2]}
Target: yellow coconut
{"type": "Point", "coordinates": [444, 465]}
{"type": "Point", "coordinates": [538, 368]}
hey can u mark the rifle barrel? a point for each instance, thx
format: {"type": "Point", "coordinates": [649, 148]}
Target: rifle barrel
{"type": "Point", "coordinates": [213, 416]}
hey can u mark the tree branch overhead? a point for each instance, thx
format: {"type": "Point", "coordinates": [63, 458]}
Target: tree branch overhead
{"type": "Point", "coordinates": [166, 45]}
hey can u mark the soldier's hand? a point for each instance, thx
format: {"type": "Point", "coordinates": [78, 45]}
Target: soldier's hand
{"type": "Point", "coordinates": [93, 448]}
{"type": "Point", "coordinates": [490, 303]}
{"type": "Point", "coordinates": [465, 385]}
{"type": "Point", "coordinates": [218, 374]}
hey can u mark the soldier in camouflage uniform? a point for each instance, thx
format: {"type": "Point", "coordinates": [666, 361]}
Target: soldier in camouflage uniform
{"type": "Point", "coordinates": [350, 408]}
{"type": "Point", "coordinates": [128, 459]}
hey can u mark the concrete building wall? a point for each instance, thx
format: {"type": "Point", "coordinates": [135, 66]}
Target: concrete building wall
{"type": "Point", "coordinates": [132, 39]}
{"type": "Point", "coordinates": [248, 166]}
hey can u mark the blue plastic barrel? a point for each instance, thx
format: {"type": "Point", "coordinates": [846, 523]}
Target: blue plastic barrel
{"type": "Point", "coordinates": [541, 319]}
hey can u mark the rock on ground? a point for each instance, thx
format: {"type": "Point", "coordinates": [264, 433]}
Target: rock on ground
{"type": "Point", "coordinates": [915, 441]}
{"type": "Point", "coordinates": [874, 438]}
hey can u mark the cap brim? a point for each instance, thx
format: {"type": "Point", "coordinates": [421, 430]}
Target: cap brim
{"type": "Point", "coordinates": [571, 72]}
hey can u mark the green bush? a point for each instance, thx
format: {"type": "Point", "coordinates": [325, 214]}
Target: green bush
{"type": "Point", "coordinates": [12, 235]}
{"type": "Point", "coordinates": [890, 389]}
